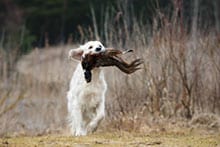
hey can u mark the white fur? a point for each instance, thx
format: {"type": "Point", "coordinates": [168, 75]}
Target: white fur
{"type": "Point", "coordinates": [86, 101]}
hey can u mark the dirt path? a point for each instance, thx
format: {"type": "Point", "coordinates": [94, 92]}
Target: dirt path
{"type": "Point", "coordinates": [116, 139]}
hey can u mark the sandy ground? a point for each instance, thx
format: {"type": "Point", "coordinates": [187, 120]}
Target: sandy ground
{"type": "Point", "coordinates": [162, 139]}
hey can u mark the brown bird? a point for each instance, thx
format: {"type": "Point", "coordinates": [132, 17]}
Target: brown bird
{"type": "Point", "coordinates": [111, 57]}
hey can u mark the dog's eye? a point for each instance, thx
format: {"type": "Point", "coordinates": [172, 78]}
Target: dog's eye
{"type": "Point", "coordinates": [90, 47]}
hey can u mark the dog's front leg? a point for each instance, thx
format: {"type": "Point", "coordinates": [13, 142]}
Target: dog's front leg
{"type": "Point", "coordinates": [76, 122]}
{"type": "Point", "coordinates": [100, 113]}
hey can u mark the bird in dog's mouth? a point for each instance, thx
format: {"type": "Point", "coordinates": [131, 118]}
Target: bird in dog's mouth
{"type": "Point", "coordinates": [110, 57]}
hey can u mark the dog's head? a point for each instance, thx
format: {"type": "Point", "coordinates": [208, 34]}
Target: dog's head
{"type": "Point", "coordinates": [84, 54]}
{"type": "Point", "coordinates": [89, 48]}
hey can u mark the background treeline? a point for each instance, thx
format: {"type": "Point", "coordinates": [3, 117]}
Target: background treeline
{"type": "Point", "coordinates": [25, 24]}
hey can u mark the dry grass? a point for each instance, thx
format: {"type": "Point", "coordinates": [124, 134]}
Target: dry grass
{"type": "Point", "coordinates": [179, 79]}
{"type": "Point", "coordinates": [163, 139]}
{"type": "Point", "coordinates": [42, 81]}
{"type": "Point", "coordinates": [172, 84]}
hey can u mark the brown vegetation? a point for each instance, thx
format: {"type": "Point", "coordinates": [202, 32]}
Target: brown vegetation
{"type": "Point", "coordinates": [179, 79]}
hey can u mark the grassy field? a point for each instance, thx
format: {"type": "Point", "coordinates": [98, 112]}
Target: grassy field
{"type": "Point", "coordinates": [162, 139]}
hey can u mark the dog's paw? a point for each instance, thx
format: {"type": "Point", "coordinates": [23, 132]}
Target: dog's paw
{"type": "Point", "coordinates": [92, 127]}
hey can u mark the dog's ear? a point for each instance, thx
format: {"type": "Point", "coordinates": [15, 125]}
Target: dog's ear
{"type": "Point", "coordinates": [76, 53]}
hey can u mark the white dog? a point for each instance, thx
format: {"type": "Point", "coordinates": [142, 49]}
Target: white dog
{"type": "Point", "coordinates": [86, 101]}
